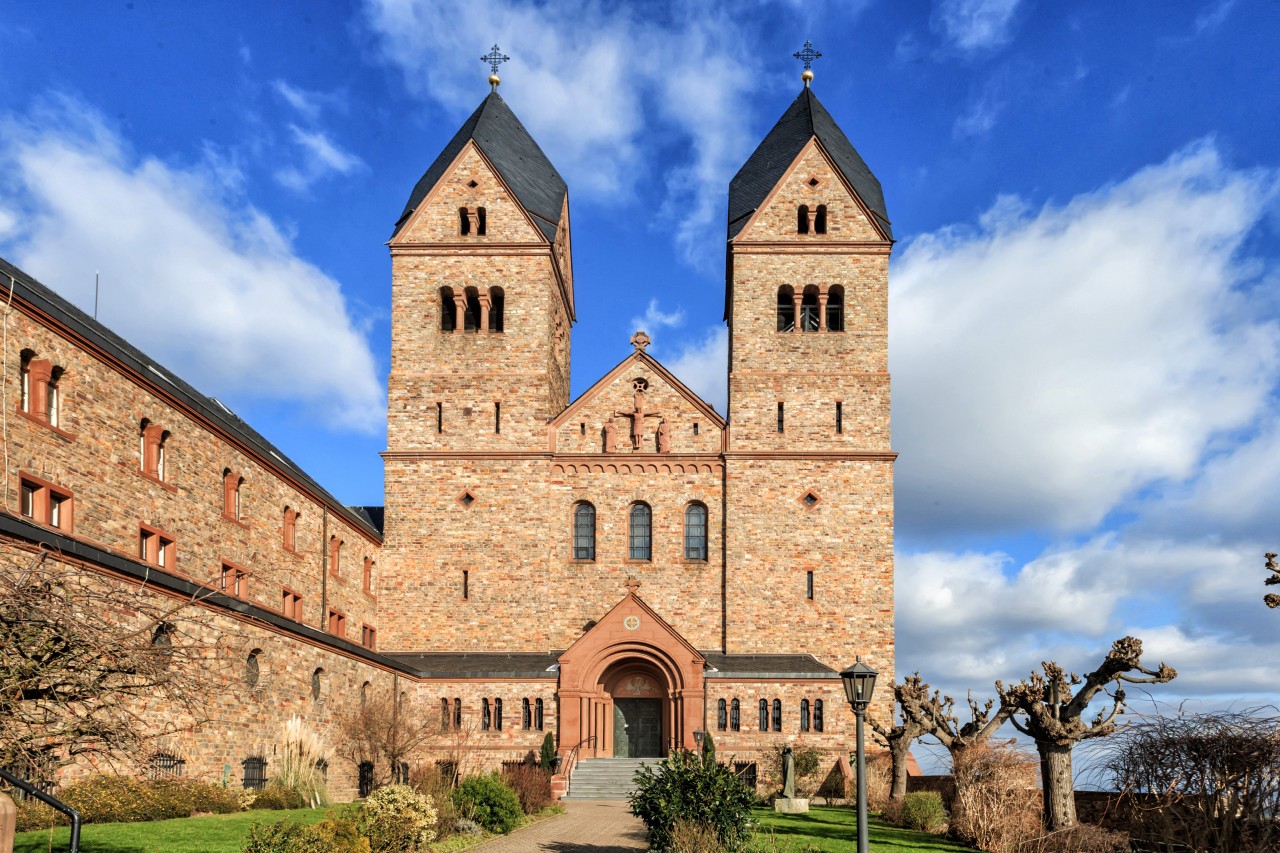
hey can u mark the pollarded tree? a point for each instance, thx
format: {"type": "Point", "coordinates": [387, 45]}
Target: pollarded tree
{"type": "Point", "coordinates": [979, 728]}
{"type": "Point", "coordinates": [912, 697]}
{"type": "Point", "coordinates": [1054, 717]}
{"type": "Point", "coordinates": [1271, 598]}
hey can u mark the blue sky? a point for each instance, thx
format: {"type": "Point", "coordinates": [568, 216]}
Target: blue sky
{"type": "Point", "coordinates": [1084, 293]}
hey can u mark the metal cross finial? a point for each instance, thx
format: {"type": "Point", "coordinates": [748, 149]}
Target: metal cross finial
{"type": "Point", "coordinates": [496, 57]}
{"type": "Point", "coordinates": [808, 55]}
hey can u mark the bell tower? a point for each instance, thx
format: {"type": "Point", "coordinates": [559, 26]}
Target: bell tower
{"type": "Point", "coordinates": [809, 470]}
{"type": "Point", "coordinates": [482, 302]}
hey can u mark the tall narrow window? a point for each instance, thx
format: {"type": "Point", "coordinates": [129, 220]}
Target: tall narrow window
{"type": "Point", "coordinates": [497, 417]}
{"type": "Point", "coordinates": [252, 668]}
{"type": "Point", "coordinates": [497, 714]}
{"type": "Point", "coordinates": [255, 773]}
{"type": "Point", "coordinates": [817, 715]}
{"type": "Point", "coordinates": [839, 417]}
{"type": "Point", "coordinates": [24, 397]}
{"type": "Point", "coordinates": [364, 693]}
{"type": "Point", "coordinates": [471, 315]}
{"type": "Point", "coordinates": [537, 715]}
{"type": "Point", "coordinates": [835, 308]}
{"type": "Point", "coordinates": [735, 715]}
{"type": "Point", "coordinates": [335, 556]}
{"type": "Point", "coordinates": [231, 494]}
{"type": "Point", "coordinates": [51, 399]}
{"type": "Point", "coordinates": [369, 637]}
{"type": "Point", "coordinates": [820, 220]}
{"type": "Point", "coordinates": [457, 713]}
{"type": "Point", "coordinates": [151, 442]}
{"type": "Point", "coordinates": [526, 714]}
{"type": "Point", "coordinates": [235, 581]}
{"type": "Point", "coordinates": [497, 302]}
{"type": "Point", "coordinates": [781, 417]}
{"type": "Point", "coordinates": [722, 715]}
{"type": "Point", "coordinates": [786, 309]}
{"type": "Point", "coordinates": [764, 715]}
{"type": "Point", "coordinates": [39, 388]}
{"type": "Point", "coordinates": [804, 715]}
{"type": "Point", "coordinates": [808, 585]}
{"type": "Point", "coordinates": [584, 532]}
{"type": "Point", "coordinates": [466, 584]}
{"type": "Point", "coordinates": [444, 715]}
{"type": "Point", "coordinates": [366, 575]}
{"type": "Point", "coordinates": [777, 715]}
{"type": "Point", "coordinates": [439, 417]}
{"type": "Point", "coordinates": [337, 624]}
{"type": "Point", "coordinates": [290, 529]}
{"type": "Point", "coordinates": [291, 604]}
{"type": "Point", "coordinates": [802, 219]}
{"type": "Point", "coordinates": [466, 224]}
{"type": "Point", "coordinates": [640, 532]}
{"type": "Point", "coordinates": [809, 309]}
{"type": "Point", "coordinates": [695, 532]}
{"type": "Point", "coordinates": [317, 685]}
{"type": "Point", "coordinates": [155, 547]}
{"type": "Point", "coordinates": [482, 221]}
{"type": "Point", "coordinates": [486, 715]}
{"type": "Point", "coordinates": [448, 310]}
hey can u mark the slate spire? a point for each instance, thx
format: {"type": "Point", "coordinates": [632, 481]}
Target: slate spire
{"type": "Point", "coordinates": [805, 119]}
{"type": "Point", "coordinates": [501, 137]}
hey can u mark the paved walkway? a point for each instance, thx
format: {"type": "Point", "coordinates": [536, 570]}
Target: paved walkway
{"type": "Point", "coordinates": [587, 826]}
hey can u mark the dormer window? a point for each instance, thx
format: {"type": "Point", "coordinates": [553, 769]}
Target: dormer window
{"type": "Point", "coordinates": [471, 221]}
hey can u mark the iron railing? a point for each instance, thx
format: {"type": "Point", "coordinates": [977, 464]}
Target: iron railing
{"type": "Point", "coordinates": [49, 800]}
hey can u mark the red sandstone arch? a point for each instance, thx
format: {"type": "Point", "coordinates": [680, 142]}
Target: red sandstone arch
{"type": "Point", "coordinates": [631, 642]}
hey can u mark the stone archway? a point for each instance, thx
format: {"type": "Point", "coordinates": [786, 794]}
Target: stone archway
{"type": "Point", "coordinates": [628, 669]}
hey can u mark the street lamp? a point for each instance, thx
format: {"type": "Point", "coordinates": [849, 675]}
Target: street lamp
{"type": "Point", "coordinates": [859, 683]}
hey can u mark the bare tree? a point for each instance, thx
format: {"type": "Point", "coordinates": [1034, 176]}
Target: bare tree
{"type": "Point", "coordinates": [83, 659]}
{"type": "Point", "coordinates": [1054, 717]}
{"type": "Point", "coordinates": [911, 696]}
{"type": "Point", "coordinates": [1201, 781]}
{"type": "Point", "coordinates": [977, 730]}
{"type": "Point", "coordinates": [1271, 598]}
{"type": "Point", "coordinates": [387, 730]}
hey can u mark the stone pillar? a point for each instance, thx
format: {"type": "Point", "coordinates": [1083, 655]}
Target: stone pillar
{"type": "Point", "coordinates": [797, 297]}
{"type": "Point", "coordinates": [822, 310]}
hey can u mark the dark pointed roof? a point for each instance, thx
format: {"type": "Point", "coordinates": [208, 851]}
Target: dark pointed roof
{"type": "Point", "coordinates": [804, 119]}
{"type": "Point", "coordinates": [519, 161]}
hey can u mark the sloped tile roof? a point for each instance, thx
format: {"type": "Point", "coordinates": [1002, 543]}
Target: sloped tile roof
{"type": "Point", "coordinates": [766, 666]}
{"type": "Point", "coordinates": [479, 664]}
{"type": "Point", "coordinates": [803, 120]}
{"type": "Point", "coordinates": [525, 169]}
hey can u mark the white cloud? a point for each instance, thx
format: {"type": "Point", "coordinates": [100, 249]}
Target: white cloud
{"type": "Point", "coordinates": [975, 25]}
{"type": "Point", "coordinates": [703, 364]}
{"type": "Point", "coordinates": [1213, 17]}
{"type": "Point", "coordinates": [191, 272]}
{"type": "Point", "coordinates": [320, 157]}
{"type": "Point", "coordinates": [1051, 364]}
{"type": "Point", "coordinates": [655, 318]}
{"type": "Point", "coordinates": [307, 104]}
{"type": "Point", "coordinates": [978, 118]}
{"type": "Point", "coordinates": [589, 80]}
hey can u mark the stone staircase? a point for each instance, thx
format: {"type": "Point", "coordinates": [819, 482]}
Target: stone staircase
{"type": "Point", "coordinates": [605, 778]}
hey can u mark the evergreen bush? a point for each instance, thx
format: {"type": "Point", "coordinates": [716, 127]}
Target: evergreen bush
{"type": "Point", "coordinates": [277, 796]}
{"type": "Point", "coordinates": [489, 802]}
{"type": "Point", "coordinates": [923, 811]}
{"type": "Point", "coordinates": [396, 818]}
{"type": "Point", "coordinates": [331, 835]}
{"type": "Point", "coordinates": [685, 787]}
{"type": "Point", "coordinates": [547, 755]}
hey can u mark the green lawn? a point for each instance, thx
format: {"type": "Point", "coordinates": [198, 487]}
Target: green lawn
{"type": "Point", "coordinates": [833, 829]}
{"type": "Point", "coordinates": [222, 833]}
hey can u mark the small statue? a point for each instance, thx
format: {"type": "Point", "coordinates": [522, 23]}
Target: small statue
{"type": "Point", "coordinates": [664, 437]}
{"type": "Point", "coordinates": [610, 438]}
{"type": "Point", "coordinates": [788, 774]}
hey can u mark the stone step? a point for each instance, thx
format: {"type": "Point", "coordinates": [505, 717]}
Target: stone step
{"type": "Point", "coordinates": [606, 778]}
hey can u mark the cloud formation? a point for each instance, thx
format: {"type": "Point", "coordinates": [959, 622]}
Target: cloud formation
{"type": "Point", "coordinates": [320, 157]}
{"type": "Point", "coordinates": [1050, 365]}
{"type": "Point", "coordinates": [603, 88]}
{"type": "Point", "coordinates": [975, 25]}
{"type": "Point", "coordinates": [190, 269]}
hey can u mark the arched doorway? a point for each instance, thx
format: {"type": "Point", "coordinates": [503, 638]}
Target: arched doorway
{"type": "Point", "coordinates": [630, 687]}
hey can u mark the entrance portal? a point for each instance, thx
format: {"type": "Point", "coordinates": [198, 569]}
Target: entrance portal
{"type": "Point", "coordinates": [637, 728]}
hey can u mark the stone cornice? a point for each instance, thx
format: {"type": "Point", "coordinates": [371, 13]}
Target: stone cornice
{"type": "Point", "coordinates": [828, 455]}
{"type": "Point", "coordinates": [791, 247]}
{"type": "Point", "coordinates": [637, 463]}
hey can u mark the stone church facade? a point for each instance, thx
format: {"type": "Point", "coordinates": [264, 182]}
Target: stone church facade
{"type": "Point", "coordinates": [624, 570]}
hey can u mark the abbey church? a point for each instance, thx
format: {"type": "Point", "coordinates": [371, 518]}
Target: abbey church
{"type": "Point", "coordinates": [624, 570]}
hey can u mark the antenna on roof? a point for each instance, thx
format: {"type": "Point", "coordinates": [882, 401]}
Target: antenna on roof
{"type": "Point", "coordinates": [96, 276]}
{"type": "Point", "coordinates": [495, 58]}
{"type": "Point", "coordinates": [807, 56]}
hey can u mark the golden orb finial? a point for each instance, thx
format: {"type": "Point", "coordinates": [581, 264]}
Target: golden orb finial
{"type": "Point", "coordinates": [494, 81]}
{"type": "Point", "coordinates": [807, 77]}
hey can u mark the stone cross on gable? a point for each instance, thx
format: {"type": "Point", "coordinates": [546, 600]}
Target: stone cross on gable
{"type": "Point", "coordinates": [632, 584]}
{"type": "Point", "coordinates": [639, 412]}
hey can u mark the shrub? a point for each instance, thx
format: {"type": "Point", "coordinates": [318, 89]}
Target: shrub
{"type": "Point", "coordinates": [331, 835]}
{"type": "Point", "coordinates": [427, 780]}
{"type": "Point", "coordinates": [277, 796]}
{"type": "Point", "coordinates": [996, 804]}
{"type": "Point", "coordinates": [684, 787]}
{"type": "Point", "coordinates": [891, 812]}
{"type": "Point", "coordinates": [923, 811]}
{"type": "Point", "coordinates": [690, 837]}
{"type": "Point", "coordinates": [125, 799]}
{"type": "Point", "coordinates": [301, 756]}
{"type": "Point", "coordinates": [879, 779]}
{"type": "Point", "coordinates": [532, 785]}
{"type": "Point", "coordinates": [396, 818]}
{"type": "Point", "coordinates": [1084, 838]}
{"type": "Point", "coordinates": [33, 814]}
{"type": "Point", "coordinates": [807, 761]}
{"type": "Point", "coordinates": [489, 802]}
{"type": "Point", "coordinates": [547, 754]}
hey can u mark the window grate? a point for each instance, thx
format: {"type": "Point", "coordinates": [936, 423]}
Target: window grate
{"type": "Point", "coordinates": [255, 773]}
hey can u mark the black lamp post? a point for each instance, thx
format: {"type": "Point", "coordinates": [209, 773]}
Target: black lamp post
{"type": "Point", "coordinates": [859, 683]}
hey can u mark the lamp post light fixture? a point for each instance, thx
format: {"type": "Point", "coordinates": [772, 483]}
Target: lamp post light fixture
{"type": "Point", "coordinates": [859, 683]}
